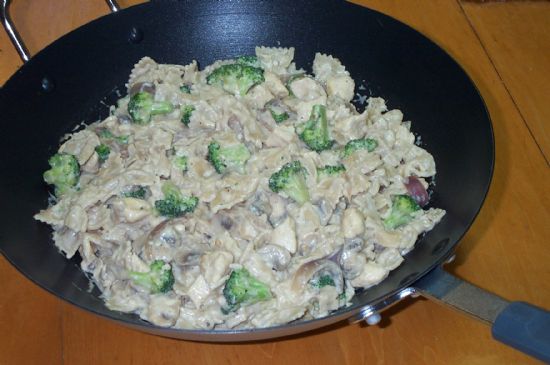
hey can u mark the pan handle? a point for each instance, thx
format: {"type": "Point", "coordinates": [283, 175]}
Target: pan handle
{"type": "Point", "coordinates": [113, 5]}
{"type": "Point", "coordinates": [16, 39]}
{"type": "Point", "coordinates": [517, 324]}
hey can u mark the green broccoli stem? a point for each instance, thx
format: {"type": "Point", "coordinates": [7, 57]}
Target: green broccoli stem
{"type": "Point", "coordinates": [161, 107]}
{"type": "Point", "coordinates": [297, 189]}
{"type": "Point", "coordinates": [315, 133]}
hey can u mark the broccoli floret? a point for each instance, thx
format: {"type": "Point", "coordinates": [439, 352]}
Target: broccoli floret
{"type": "Point", "coordinates": [107, 135]}
{"type": "Point", "coordinates": [322, 281]}
{"type": "Point", "coordinates": [142, 106]}
{"type": "Point", "coordinates": [63, 174]}
{"type": "Point", "coordinates": [227, 158]}
{"type": "Point", "coordinates": [278, 114]}
{"type": "Point", "coordinates": [330, 170]}
{"type": "Point", "coordinates": [242, 288]}
{"type": "Point", "coordinates": [137, 191]}
{"type": "Point", "coordinates": [186, 89]}
{"type": "Point", "coordinates": [236, 78]}
{"type": "Point", "coordinates": [159, 278]}
{"type": "Point", "coordinates": [180, 162]}
{"type": "Point", "coordinates": [186, 112]}
{"type": "Point", "coordinates": [291, 179]}
{"type": "Point", "coordinates": [314, 132]}
{"type": "Point", "coordinates": [174, 203]}
{"type": "Point", "coordinates": [102, 151]}
{"type": "Point", "coordinates": [368, 144]}
{"type": "Point", "coordinates": [248, 61]}
{"type": "Point", "coordinates": [401, 211]}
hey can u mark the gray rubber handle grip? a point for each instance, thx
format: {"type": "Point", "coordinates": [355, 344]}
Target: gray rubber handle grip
{"type": "Point", "coordinates": [526, 328]}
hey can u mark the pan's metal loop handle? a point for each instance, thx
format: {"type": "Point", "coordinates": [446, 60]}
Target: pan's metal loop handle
{"type": "Point", "coordinates": [113, 5]}
{"type": "Point", "coordinates": [12, 32]}
{"type": "Point", "coordinates": [14, 35]}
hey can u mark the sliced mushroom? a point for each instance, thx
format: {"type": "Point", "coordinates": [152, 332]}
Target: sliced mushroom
{"type": "Point", "coordinates": [226, 222]}
{"type": "Point", "coordinates": [248, 225]}
{"type": "Point", "coordinates": [308, 243]}
{"type": "Point", "coordinates": [235, 124]}
{"type": "Point", "coordinates": [325, 211]}
{"type": "Point", "coordinates": [316, 269]}
{"type": "Point", "coordinates": [170, 241]}
{"type": "Point", "coordinates": [336, 216]}
{"type": "Point", "coordinates": [276, 256]}
{"type": "Point", "coordinates": [124, 119]}
{"type": "Point", "coordinates": [188, 258]}
{"type": "Point", "coordinates": [351, 260]}
{"type": "Point", "coordinates": [278, 209]}
{"type": "Point", "coordinates": [260, 203]}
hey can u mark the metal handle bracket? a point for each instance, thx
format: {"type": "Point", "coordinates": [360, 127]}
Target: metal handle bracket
{"type": "Point", "coordinates": [461, 295]}
{"type": "Point", "coordinates": [15, 38]}
{"type": "Point", "coordinates": [13, 34]}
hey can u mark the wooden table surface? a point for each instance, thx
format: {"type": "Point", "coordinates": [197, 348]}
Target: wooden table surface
{"type": "Point", "coordinates": [505, 48]}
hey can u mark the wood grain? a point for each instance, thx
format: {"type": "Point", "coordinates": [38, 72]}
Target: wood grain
{"type": "Point", "coordinates": [516, 36]}
{"type": "Point", "coordinates": [505, 251]}
{"type": "Point", "coordinates": [30, 321]}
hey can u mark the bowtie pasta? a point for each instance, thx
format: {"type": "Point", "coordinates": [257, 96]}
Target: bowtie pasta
{"type": "Point", "coordinates": [248, 194]}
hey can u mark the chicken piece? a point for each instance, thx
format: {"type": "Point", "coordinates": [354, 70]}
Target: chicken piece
{"type": "Point", "coordinates": [285, 235]}
{"type": "Point", "coordinates": [163, 310]}
{"type": "Point", "coordinates": [214, 266]}
{"type": "Point", "coordinates": [371, 274]}
{"type": "Point", "coordinates": [352, 223]}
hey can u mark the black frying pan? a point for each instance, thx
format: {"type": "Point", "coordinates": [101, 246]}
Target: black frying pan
{"type": "Point", "coordinates": [71, 80]}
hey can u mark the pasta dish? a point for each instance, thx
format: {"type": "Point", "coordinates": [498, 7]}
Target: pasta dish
{"type": "Point", "coordinates": [247, 194]}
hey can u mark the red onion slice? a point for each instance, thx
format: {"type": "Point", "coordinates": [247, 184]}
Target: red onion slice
{"type": "Point", "coordinates": [416, 190]}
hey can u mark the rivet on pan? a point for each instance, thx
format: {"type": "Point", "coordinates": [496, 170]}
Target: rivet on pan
{"type": "Point", "coordinates": [373, 319]}
{"type": "Point", "coordinates": [47, 84]}
{"type": "Point", "coordinates": [440, 246]}
{"type": "Point", "coordinates": [136, 35]}
{"type": "Point", "coordinates": [450, 259]}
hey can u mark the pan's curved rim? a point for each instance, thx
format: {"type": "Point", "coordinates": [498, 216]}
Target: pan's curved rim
{"type": "Point", "coordinates": [254, 334]}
